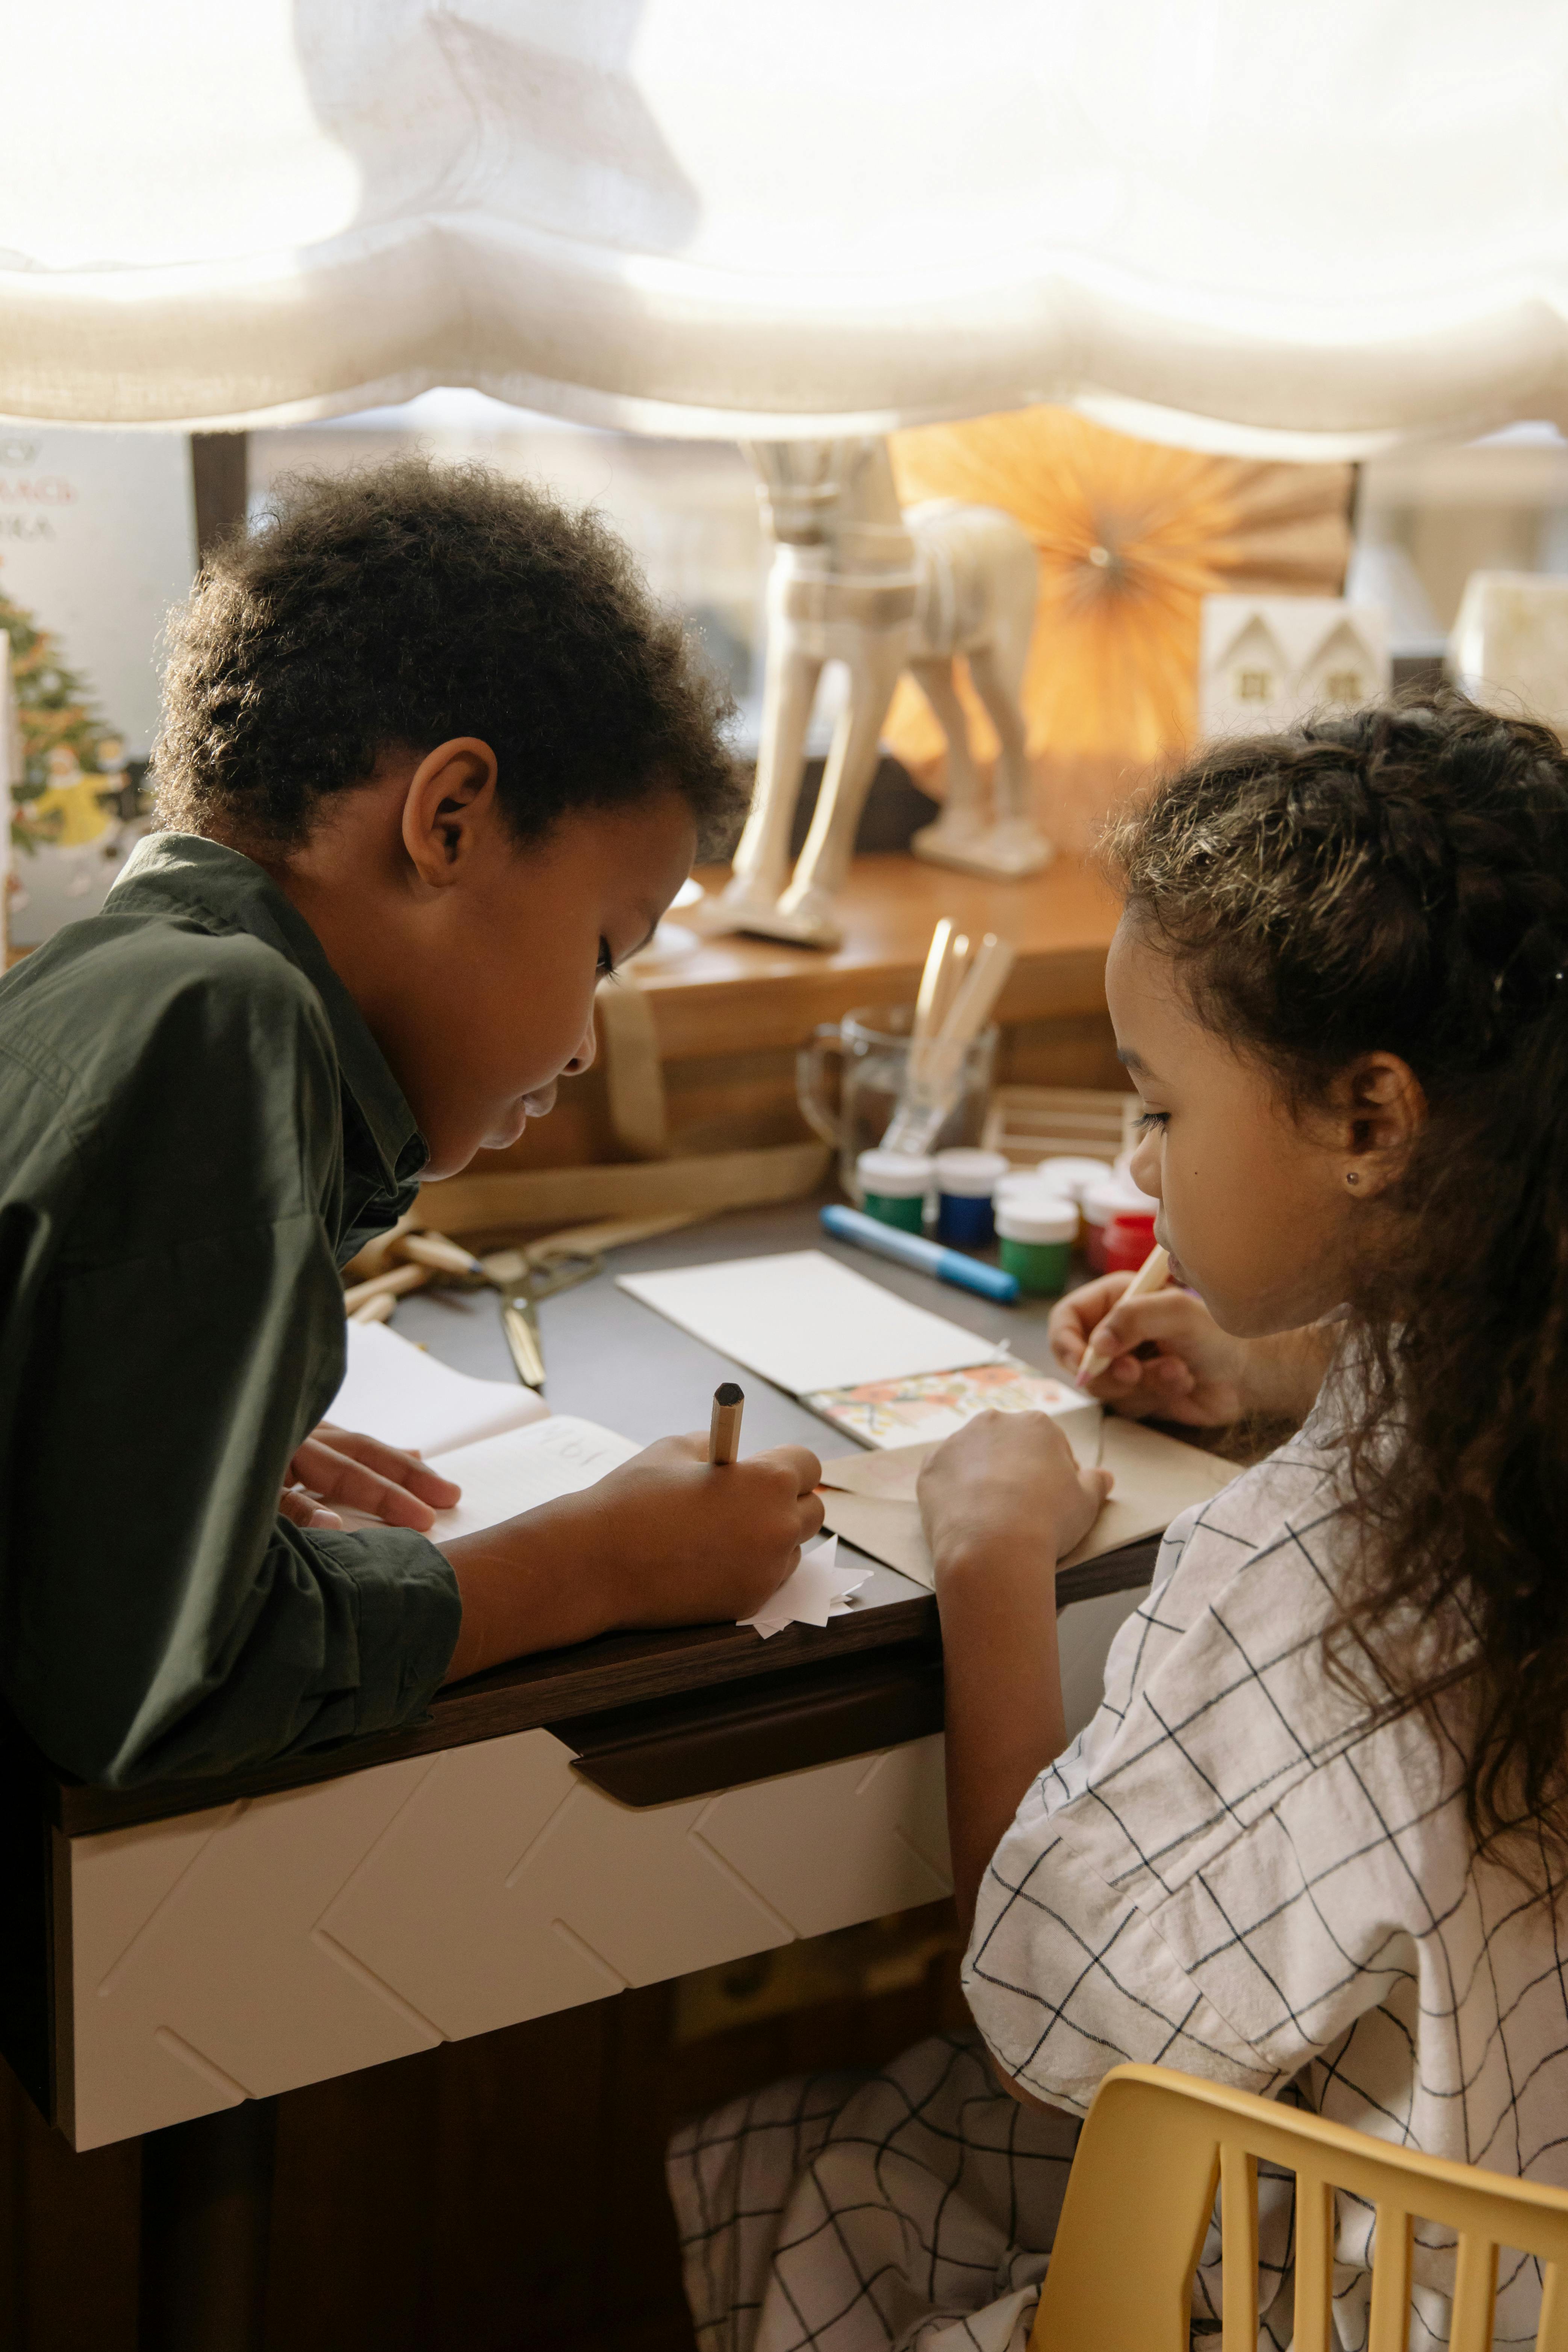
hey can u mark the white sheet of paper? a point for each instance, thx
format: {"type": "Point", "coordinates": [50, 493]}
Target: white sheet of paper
{"type": "Point", "coordinates": [396, 1391]}
{"type": "Point", "coordinates": [807, 1322]}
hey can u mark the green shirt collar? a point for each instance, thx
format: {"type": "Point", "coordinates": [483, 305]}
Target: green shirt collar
{"type": "Point", "coordinates": [184, 874]}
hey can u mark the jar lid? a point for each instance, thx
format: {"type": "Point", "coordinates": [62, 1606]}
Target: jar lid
{"type": "Point", "coordinates": [970, 1175]}
{"type": "Point", "coordinates": [1117, 1197]}
{"type": "Point", "coordinates": [1045, 1218]}
{"type": "Point", "coordinates": [894, 1175]}
{"type": "Point", "coordinates": [1027, 1184]}
{"type": "Point", "coordinates": [1071, 1177]}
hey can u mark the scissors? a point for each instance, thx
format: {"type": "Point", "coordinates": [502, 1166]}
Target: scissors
{"type": "Point", "coordinates": [519, 1299]}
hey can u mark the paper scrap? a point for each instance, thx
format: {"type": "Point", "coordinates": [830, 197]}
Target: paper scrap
{"type": "Point", "coordinates": [870, 1497]}
{"type": "Point", "coordinates": [818, 1589]}
{"type": "Point", "coordinates": [805, 1322]}
{"type": "Point", "coordinates": [935, 1405]}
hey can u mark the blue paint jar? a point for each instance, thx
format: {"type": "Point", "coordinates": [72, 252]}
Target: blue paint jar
{"type": "Point", "coordinates": [966, 1185]}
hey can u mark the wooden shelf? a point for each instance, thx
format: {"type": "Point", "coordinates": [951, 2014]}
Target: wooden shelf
{"type": "Point", "coordinates": [729, 1014]}
{"type": "Point", "coordinates": [734, 995]}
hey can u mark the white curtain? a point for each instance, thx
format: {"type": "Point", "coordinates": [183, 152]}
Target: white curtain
{"type": "Point", "coordinates": [1290, 228]}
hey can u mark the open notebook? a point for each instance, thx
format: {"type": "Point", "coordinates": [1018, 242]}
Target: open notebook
{"type": "Point", "coordinates": [397, 1392]}
{"type": "Point", "coordinates": [508, 1453]}
{"type": "Point", "coordinates": [498, 1441]}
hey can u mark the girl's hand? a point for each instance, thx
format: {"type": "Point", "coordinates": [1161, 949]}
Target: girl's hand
{"type": "Point", "coordinates": [1200, 1374]}
{"type": "Point", "coordinates": [1005, 1492]}
{"type": "Point", "coordinates": [361, 1473]}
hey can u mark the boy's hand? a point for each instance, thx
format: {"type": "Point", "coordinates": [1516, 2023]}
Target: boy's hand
{"type": "Point", "coordinates": [1006, 1491]}
{"type": "Point", "coordinates": [667, 1539]}
{"type": "Point", "coordinates": [1200, 1374]}
{"type": "Point", "coordinates": [694, 1544]}
{"type": "Point", "coordinates": [361, 1473]}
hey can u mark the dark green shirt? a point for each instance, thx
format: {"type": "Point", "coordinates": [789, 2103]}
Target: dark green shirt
{"type": "Point", "coordinates": [196, 1131]}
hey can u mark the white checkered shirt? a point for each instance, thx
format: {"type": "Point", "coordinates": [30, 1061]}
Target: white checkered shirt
{"type": "Point", "coordinates": [1234, 1872]}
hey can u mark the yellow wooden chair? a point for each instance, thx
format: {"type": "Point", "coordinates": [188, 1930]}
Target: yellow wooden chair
{"type": "Point", "coordinates": [1156, 2148]}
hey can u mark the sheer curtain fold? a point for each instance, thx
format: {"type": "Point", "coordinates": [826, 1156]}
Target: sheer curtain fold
{"type": "Point", "coordinates": [1276, 232]}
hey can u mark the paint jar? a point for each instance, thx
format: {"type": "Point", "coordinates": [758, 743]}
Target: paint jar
{"type": "Point", "coordinates": [1070, 1178]}
{"type": "Point", "coordinates": [966, 1184]}
{"type": "Point", "coordinates": [1116, 1196]}
{"type": "Point", "coordinates": [1064, 1177]}
{"type": "Point", "coordinates": [893, 1187]}
{"type": "Point", "coordinates": [1035, 1235]}
{"type": "Point", "coordinates": [1129, 1238]}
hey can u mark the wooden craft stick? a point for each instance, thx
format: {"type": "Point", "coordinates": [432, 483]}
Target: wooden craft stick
{"type": "Point", "coordinates": [375, 1311]}
{"type": "Point", "coordinates": [931, 982]}
{"type": "Point", "coordinates": [1151, 1275]}
{"type": "Point", "coordinates": [724, 1429]}
{"type": "Point", "coordinates": [506, 1266]}
{"type": "Point", "coordinates": [391, 1284]}
{"type": "Point", "coordinates": [436, 1251]}
{"type": "Point", "coordinates": [952, 981]}
{"type": "Point", "coordinates": [983, 984]}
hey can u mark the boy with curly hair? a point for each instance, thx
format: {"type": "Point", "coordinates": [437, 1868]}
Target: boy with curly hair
{"type": "Point", "coordinates": [431, 764]}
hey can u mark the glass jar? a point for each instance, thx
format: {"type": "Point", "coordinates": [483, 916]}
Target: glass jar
{"type": "Point", "coordinates": [872, 1047]}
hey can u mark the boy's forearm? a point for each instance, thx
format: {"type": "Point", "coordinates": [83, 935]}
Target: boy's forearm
{"type": "Point", "coordinates": [1004, 1717]}
{"type": "Point", "coordinates": [529, 1584]}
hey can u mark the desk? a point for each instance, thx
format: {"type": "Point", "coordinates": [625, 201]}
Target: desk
{"type": "Point", "coordinates": [617, 1815]}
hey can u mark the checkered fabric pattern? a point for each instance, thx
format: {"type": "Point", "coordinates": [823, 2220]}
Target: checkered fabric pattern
{"type": "Point", "coordinates": [1238, 1871]}
{"type": "Point", "coordinates": [913, 2207]}
{"type": "Point", "coordinates": [1234, 1870]}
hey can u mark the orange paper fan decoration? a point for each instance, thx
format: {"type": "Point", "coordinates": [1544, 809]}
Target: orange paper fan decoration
{"type": "Point", "coordinates": [1131, 536]}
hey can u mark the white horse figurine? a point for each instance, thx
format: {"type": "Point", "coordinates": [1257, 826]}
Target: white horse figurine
{"type": "Point", "coordinates": [856, 580]}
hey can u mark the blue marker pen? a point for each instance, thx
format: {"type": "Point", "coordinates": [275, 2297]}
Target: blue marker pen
{"type": "Point", "coordinates": [926, 1257]}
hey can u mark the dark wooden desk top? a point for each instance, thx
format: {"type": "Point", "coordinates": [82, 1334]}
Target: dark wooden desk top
{"type": "Point", "coordinates": [615, 1360]}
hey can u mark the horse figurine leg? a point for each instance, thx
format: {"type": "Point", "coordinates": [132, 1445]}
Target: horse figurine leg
{"type": "Point", "coordinates": [965, 817]}
{"type": "Point", "coordinates": [874, 662]}
{"type": "Point", "coordinates": [978, 589]}
{"type": "Point", "coordinates": [1013, 843]}
{"type": "Point", "coordinates": [761, 859]}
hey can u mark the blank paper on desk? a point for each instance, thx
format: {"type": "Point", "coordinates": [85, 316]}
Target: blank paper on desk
{"type": "Point", "coordinates": [807, 1322]}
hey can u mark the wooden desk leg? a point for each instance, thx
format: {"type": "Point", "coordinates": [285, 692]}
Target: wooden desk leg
{"type": "Point", "coordinates": [206, 2199]}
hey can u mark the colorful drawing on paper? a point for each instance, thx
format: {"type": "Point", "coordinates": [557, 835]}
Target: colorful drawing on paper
{"type": "Point", "coordinates": [914, 1412]}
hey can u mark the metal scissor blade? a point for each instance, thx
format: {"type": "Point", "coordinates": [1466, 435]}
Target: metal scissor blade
{"type": "Point", "coordinates": [520, 1325]}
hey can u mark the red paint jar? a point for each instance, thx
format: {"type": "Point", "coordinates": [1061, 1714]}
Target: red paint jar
{"type": "Point", "coordinates": [1129, 1238]}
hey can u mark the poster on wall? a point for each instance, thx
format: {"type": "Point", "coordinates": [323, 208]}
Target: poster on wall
{"type": "Point", "coordinates": [97, 542]}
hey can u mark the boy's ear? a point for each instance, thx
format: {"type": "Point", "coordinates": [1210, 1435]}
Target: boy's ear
{"type": "Point", "coordinates": [1381, 1108]}
{"type": "Point", "coordinates": [450, 799]}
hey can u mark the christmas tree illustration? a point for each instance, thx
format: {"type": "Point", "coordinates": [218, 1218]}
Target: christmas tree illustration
{"type": "Point", "coordinates": [56, 713]}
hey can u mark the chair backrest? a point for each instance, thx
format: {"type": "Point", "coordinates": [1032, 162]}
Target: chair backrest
{"type": "Point", "coordinates": [1156, 2148]}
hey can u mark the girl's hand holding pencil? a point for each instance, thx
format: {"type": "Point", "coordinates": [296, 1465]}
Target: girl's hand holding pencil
{"type": "Point", "coordinates": [1167, 1357]}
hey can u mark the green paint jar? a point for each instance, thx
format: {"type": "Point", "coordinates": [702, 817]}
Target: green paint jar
{"type": "Point", "coordinates": [893, 1188]}
{"type": "Point", "coordinates": [1035, 1236]}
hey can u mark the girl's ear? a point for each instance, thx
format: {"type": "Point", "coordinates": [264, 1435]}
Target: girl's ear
{"type": "Point", "coordinates": [1380, 1107]}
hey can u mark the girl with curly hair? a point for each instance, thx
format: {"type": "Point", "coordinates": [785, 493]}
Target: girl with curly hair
{"type": "Point", "coordinates": [1315, 1842]}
